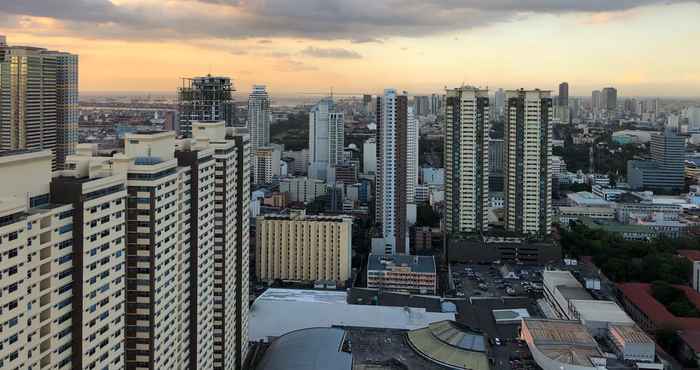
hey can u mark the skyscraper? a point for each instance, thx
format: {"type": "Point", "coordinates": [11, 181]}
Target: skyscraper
{"type": "Point", "coordinates": [609, 99]}
{"type": "Point", "coordinates": [466, 160]}
{"type": "Point", "coordinates": [392, 146]}
{"type": "Point", "coordinates": [528, 175]}
{"type": "Point", "coordinates": [596, 102]}
{"type": "Point", "coordinates": [326, 138]}
{"type": "Point", "coordinates": [412, 139]}
{"type": "Point", "coordinates": [67, 112]}
{"type": "Point", "coordinates": [563, 94]}
{"type": "Point", "coordinates": [665, 170]}
{"type": "Point", "coordinates": [259, 117]}
{"type": "Point", "coordinates": [563, 103]}
{"type": "Point", "coordinates": [205, 98]}
{"type": "Point", "coordinates": [38, 100]}
{"type": "Point", "coordinates": [499, 102]}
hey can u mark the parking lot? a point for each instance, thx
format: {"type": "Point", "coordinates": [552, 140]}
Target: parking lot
{"type": "Point", "coordinates": [495, 280]}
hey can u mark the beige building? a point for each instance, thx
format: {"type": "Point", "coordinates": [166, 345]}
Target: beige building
{"type": "Point", "coordinates": [528, 162]}
{"type": "Point", "coordinates": [62, 241]}
{"type": "Point", "coordinates": [303, 189]}
{"type": "Point", "coordinates": [304, 248]}
{"type": "Point", "coordinates": [467, 160]}
{"type": "Point", "coordinates": [402, 273]}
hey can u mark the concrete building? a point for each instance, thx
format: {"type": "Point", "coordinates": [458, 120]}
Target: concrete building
{"type": "Point", "coordinates": [309, 349]}
{"type": "Point", "coordinates": [597, 315]}
{"type": "Point", "coordinates": [466, 160]}
{"type": "Point", "coordinates": [39, 104]}
{"type": "Point", "coordinates": [632, 343]}
{"type": "Point", "coordinates": [561, 345]}
{"type": "Point", "coordinates": [665, 170]}
{"type": "Point", "coordinates": [267, 164]}
{"type": "Point", "coordinates": [301, 161]}
{"type": "Point", "coordinates": [303, 189]}
{"type": "Point", "coordinates": [369, 156]}
{"type": "Point", "coordinates": [259, 115]}
{"type": "Point", "coordinates": [412, 154]}
{"type": "Point", "coordinates": [326, 138]}
{"type": "Point", "coordinates": [609, 99]}
{"type": "Point", "coordinates": [692, 114]}
{"type": "Point", "coordinates": [402, 273]}
{"type": "Point", "coordinates": [63, 242]}
{"type": "Point", "coordinates": [392, 171]}
{"type": "Point", "coordinates": [528, 173]}
{"type": "Point", "coordinates": [298, 247]}
{"type": "Point", "coordinates": [207, 98]}
{"type": "Point", "coordinates": [596, 102]}
{"type": "Point", "coordinates": [563, 103]}
{"type": "Point", "coordinates": [560, 287]}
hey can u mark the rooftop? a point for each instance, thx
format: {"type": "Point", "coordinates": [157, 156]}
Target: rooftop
{"type": "Point", "coordinates": [567, 342]}
{"type": "Point", "coordinates": [630, 333]}
{"type": "Point", "coordinates": [447, 344]}
{"type": "Point", "coordinates": [425, 264]}
{"type": "Point", "coordinates": [308, 349]}
{"type": "Point", "coordinates": [607, 311]}
{"type": "Point", "coordinates": [305, 309]}
{"type": "Point", "coordinates": [640, 295]}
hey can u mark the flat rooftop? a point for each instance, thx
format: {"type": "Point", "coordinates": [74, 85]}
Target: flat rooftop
{"type": "Point", "coordinates": [566, 342]}
{"type": "Point", "coordinates": [604, 311]}
{"type": "Point", "coordinates": [378, 262]}
{"type": "Point", "coordinates": [303, 309]}
{"type": "Point", "coordinates": [631, 334]}
{"type": "Point", "coordinates": [308, 349]}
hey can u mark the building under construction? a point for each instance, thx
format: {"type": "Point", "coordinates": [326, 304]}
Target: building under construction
{"type": "Point", "coordinates": [206, 98]}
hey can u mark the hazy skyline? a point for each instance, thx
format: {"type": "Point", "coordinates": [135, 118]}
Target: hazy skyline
{"type": "Point", "coordinates": [642, 47]}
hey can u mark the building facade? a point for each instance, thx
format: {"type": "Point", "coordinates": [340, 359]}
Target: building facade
{"type": "Point", "coordinates": [666, 168]}
{"type": "Point", "coordinates": [45, 113]}
{"type": "Point", "coordinates": [304, 248]}
{"type": "Point", "coordinates": [392, 172]}
{"type": "Point", "coordinates": [326, 138]}
{"type": "Point", "coordinates": [528, 151]}
{"type": "Point", "coordinates": [259, 114]}
{"type": "Point", "coordinates": [402, 273]}
{"type": "Point", "coordinates": [207, 98]}
{"type": "Point", "coordinates": [466, 160]}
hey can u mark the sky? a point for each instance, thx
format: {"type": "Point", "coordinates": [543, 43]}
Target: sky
{"type": "Point", "coordinates": [642, 47]}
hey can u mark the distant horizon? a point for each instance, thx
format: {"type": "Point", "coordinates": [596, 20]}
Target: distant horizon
{"type": "Point", "coordinates": [644, 48]}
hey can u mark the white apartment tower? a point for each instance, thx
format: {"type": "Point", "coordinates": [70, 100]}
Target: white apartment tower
{"type": "Point", "coordinates": [326, 138]}
{"type": "Point", "coordinates": [63, 243]}
{"type": "Point", "coordinates": [412, 157]}
{"type": "Point", "coordinates": [528, 162]}
{"type": "Point", "coordinates": [259, 114]}
{"type": "Point", "coordinates": [466, 160]}
{"type": "Point", "coordinates": [391, 178]}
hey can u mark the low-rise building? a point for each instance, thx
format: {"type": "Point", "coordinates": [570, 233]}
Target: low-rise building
{"type": "Point", "coordinates": [298, 247]}
{"type": "Point", "coordinates": [303, 189]}
{"type": "Point", "coordinates": [632, 343]}
{"type": "Point", "coordinates": [561, 345]}
{"type": "Point", "coordinates": [402, 273]}
{"type": "Point", "coordinates": [568, 214]}
{"type": "Point", "coordinates": [560, 287]}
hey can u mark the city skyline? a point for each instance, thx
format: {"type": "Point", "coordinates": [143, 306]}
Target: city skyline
{"type": "Point", "coordinates": [130, 48]}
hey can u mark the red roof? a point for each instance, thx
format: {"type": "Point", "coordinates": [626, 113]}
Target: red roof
{"type": "Point", "coordinates": [640, 295]}
{"type": "Point", "coordinates": [690, 254]}
{"type": "Point", "coordinates": [692, 339]}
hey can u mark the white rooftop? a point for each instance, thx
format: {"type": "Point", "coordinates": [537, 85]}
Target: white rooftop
{"type": "Point", "coordinates": [280, 311]}
{"type": "Point", "coordinates": [603, 311]}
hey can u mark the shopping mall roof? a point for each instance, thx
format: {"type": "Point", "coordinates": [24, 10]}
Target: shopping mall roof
{"type": "Point", "coordinates": [303, 309]}
{"type": "Point", "coordinates": [449, 344]}
{"type": "Point", "coordinates": [308, 349]}
{"type": "Point", "coordinates": [566, 342]}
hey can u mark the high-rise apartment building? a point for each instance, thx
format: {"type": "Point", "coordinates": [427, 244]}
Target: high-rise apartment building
{"type": "Point", "coordinates": [528, 149]}
{"type": "Point", "coordinates": [38, 100]}
{"type": "Point", "coordinates": [326, 138]}
{"type": "Point", "coordinates": [301, 247]}
{"type": "Point", "coordinates": [466, 160]}
{"type": "Point", "coordinates": [391, 178]}
{"type": "Point", "coordinates": [266, 163]}
{"type": "Point", "coordinates": [63, 242]}
{"type": "Point", "coordinates": [563, 103]}
{"type": "Point", "coordinates": [499, 102]}
{"type": "Point", "coordinates": [207, 98]}
{"type": "Point", "coordinates": [609, 99]}
{"type": "Point", "coordinates": [259, 114]}
{"type": "Point", "coordinates": [369, 156]}
{"type": "Point", "coordinates": [665, 170]}
{"type": "Point", "coordinates": [149, 251]}
{"type": "Point", "coordinates": [412, 158]}
{"type": "Point", "coordinates": [47, 319]}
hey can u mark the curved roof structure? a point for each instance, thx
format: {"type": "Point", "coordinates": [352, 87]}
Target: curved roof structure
{"type": "Point", "coordinates": [448, 344]}
{"type": "Point", "coordinates": [308, 349]}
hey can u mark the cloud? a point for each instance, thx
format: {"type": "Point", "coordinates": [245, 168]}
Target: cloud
{"type": "Point", "coordinates": [356, 20]}
{"type": "Point", "coordinates": [332, 53]}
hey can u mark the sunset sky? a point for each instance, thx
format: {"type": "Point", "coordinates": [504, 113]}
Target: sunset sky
{"type": "Point", "coordinates": [643, 47]}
